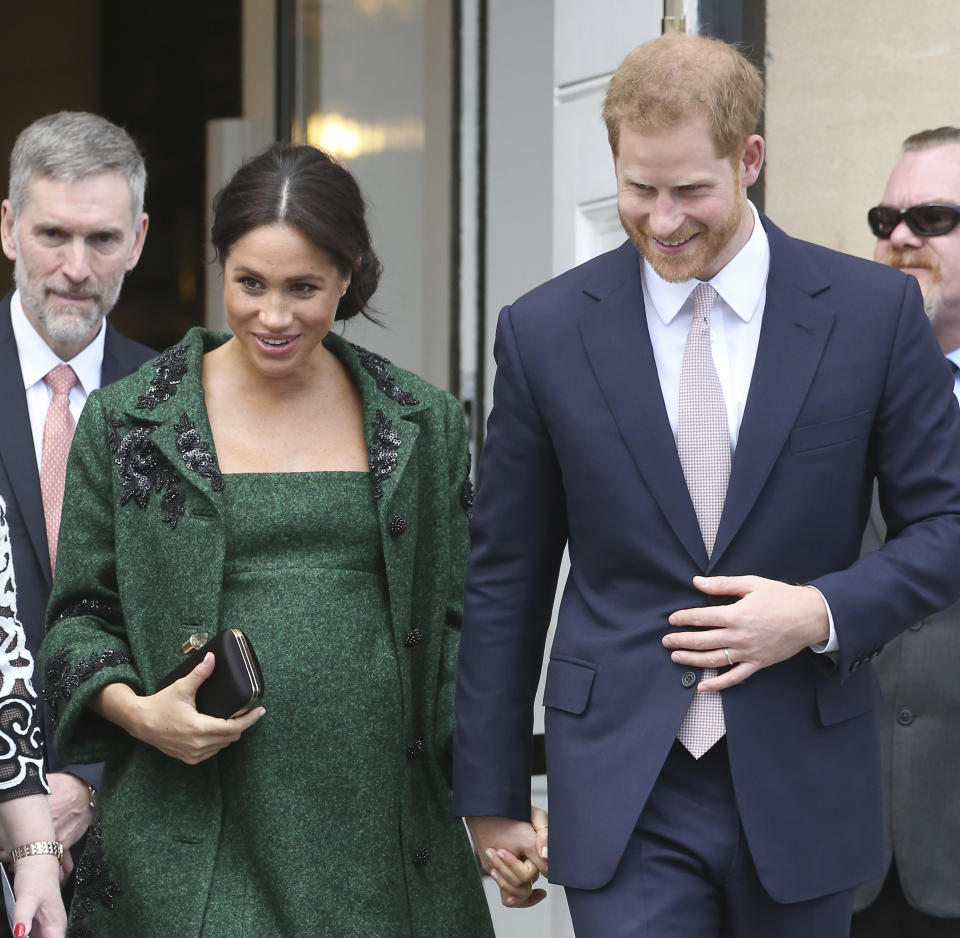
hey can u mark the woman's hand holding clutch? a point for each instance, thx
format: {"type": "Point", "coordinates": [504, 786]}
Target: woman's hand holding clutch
{"type": "Point", "coordinates": [169, 721]}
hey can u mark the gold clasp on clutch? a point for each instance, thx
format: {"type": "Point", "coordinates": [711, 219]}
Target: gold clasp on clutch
{"type": "Point", "coordinates": [195, 642]}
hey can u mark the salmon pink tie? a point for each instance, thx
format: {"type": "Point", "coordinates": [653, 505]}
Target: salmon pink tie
{"type": "Point", "coordinates": [703, 444]}
{"type": "Point", "coordinates": [57, 434]}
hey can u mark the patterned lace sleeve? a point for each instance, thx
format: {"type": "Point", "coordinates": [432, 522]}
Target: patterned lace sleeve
{"type": "Point", "coordinates": [21, 753]}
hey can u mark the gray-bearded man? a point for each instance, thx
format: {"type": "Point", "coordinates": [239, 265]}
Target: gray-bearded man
{"type": "Point", "coordinates": [73, 223]}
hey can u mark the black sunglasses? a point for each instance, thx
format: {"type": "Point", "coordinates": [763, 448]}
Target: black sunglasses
{"type": "Point", "coordinates": [926, 221]}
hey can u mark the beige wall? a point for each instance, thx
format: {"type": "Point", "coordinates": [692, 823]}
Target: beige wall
{"type": "Point", "coordinates": [846, 82]}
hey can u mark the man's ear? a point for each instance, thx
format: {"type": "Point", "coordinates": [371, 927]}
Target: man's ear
{"type": "Point", "coordinates": [6, 230]}
{"type": "Point", "coordinates": [139, 236]}
{"type": "Point", "coordinates": [751, 160]}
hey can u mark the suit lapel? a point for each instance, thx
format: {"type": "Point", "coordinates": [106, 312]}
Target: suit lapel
{"type": "Point", "coordinates": [16, 451]}
{"type": "Point", "coordinates": [792, 339]}
{"type": "Point", "coordinates": [617, 344]}
{"type": "Point", "coordinates": [112, 368]}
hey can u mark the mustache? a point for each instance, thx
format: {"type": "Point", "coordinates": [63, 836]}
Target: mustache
{"type": "Point", "coordinates": [893, 257]}
{"type": "Point", "coordinates": [71, 289]}
{"type": "Point", "coordinates": [681, 234]}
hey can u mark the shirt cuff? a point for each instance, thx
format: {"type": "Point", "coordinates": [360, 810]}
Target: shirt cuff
{"type": "Point", "coordinates": [831, 644]}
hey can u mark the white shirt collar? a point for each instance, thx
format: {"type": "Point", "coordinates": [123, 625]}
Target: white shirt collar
{"type": "Point", "coordinates": [740, 283]}
{"type": "Point", "coordinates": [37, 359]}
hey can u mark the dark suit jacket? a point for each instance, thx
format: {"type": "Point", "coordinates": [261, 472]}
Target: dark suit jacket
{"type": "Point", "coordinates": [20, 485]}
{"type": "Point", "coordinates": [848, 384]}
{"type": "Point", "coordinates": [920, 743]}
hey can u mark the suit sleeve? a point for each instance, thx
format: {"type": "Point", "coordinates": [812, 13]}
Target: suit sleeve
{"type": "Point", "coordinates": [86, 645]}
{"type": "Point", "coordinates": [916, 455]}
{"type": "Point", "coordinates": [517, 535]}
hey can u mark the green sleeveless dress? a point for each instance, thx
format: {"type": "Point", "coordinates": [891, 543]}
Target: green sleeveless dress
{"type": "Point", "coordinates": [322, 770]}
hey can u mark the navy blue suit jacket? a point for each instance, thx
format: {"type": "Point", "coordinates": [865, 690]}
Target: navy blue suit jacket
{"type": "Point", "coordinates": [849, 384]}
{"type": "Point", "coordinates": [20, 485]}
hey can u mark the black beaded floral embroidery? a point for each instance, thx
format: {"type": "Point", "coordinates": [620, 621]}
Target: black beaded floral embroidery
{"type": "Point", "coordinates": [142, 467]}
{"type": "Point", "coordinates": [62, 680]}
{"type": "Point", "coordinates": [170, 366]}
{"type": "Point", "coordinates": [93, 880]}
{"type": "Point", "coordinates": [377, 366]}
{"type": "Point", "coordinates": [90, 607]}
{"type": "Point", "coordinates": [383, 452]}
{"type": "Point", "coordinates": [196, 453]}
{"type": "Point", "coordinates": [467, 491]}
{"type": "Point", "coordinates": [422, 857]}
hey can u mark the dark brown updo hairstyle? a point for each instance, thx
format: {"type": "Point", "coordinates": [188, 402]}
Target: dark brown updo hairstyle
{"type": "Point", "coordinates": [303, 187]}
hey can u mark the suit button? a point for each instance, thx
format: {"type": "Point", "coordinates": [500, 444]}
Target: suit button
{"type": "Point", "coordinates": [918, 625]}
{"type": "Point", "coordinates": [416, 750]}
{"type": "Point", "coordinates": [412, 638]}
{"type": "Point", "coordinates": [855, 665]}
{"type": "Point", "coordinates": [398, 526]}
{"type": "Point", "coordinates": [688, 679]}
{"type": "Point", "coordinates": [422, 857]}
{"type": "Point", "coordinates": [905, 716]}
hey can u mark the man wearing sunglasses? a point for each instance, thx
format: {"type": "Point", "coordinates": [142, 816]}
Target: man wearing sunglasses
{"type": "Point", "coordinates": [916, 226]}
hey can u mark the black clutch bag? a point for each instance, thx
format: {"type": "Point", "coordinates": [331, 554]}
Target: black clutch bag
{"type": "Point", "coordinates": [237, 681]}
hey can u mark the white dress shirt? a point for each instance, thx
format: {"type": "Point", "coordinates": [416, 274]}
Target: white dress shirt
{"type": "Point", "coordinates": [735, 321]}
{"type": "Point", "coordinates": [37, 359]}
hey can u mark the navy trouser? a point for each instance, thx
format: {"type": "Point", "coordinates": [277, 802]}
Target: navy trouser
{"type": "Point", "coordinates": [687, 871]}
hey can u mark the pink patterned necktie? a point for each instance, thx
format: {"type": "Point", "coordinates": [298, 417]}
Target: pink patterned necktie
{"type": "Point", "coordinates": [57, 434]}
{"type": "Point", "coordinates": [703, 443]}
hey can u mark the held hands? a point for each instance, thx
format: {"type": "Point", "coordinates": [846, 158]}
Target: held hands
{"type": "Point", "coordinates": [770, 622]}
{"type": "Point", "coordinates": [169, 720]}
{"type": "Point", "coordinates": [514, 853]}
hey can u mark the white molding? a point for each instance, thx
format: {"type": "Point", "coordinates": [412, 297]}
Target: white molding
{"type": "Point", "coordinates": [597, 228]}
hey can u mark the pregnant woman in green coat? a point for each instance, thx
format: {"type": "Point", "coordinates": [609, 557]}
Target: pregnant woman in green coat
{"type": "Point", "coordinates": [308, 492]}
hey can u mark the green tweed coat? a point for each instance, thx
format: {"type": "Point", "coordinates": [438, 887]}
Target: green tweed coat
{"type": "Point", "coordinates": [139, 569]}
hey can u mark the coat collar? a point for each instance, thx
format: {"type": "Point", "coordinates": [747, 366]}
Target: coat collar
{"type": "Point", "coordinates": [168, 391]}
{"type": "Point", "coordinates": [796, 325]}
